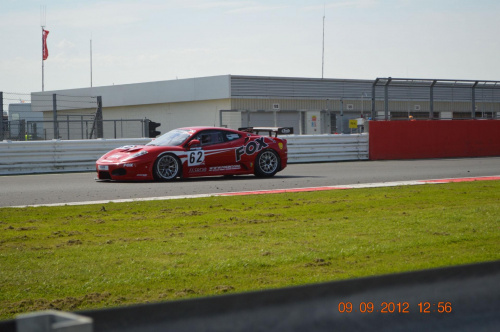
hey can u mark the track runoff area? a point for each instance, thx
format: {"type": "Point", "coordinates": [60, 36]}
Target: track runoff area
{"type": "Point", "coordinates": [278, 191]}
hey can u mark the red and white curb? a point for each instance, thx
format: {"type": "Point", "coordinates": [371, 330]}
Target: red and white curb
{"type": "Point", "coordinates": [363, 185]}
{"type": "Point", "coordinates": [280, 191]}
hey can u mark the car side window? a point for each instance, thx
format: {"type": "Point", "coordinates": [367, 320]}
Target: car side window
{"type": "Point", "coordinates": [210, 137]}
{"type": "Point", "coordinates": [231, 136]}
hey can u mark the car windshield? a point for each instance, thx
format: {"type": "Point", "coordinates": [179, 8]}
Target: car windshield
{"type": "Point", "coordinates": [172, 138]}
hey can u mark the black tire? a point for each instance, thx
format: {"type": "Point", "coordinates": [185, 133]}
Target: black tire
{"type": "Point", "coordinates": [267, 163]}
{"type": "Point", "coordinates": [167, 167]}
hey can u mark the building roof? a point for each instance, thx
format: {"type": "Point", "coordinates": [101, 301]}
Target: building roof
{"type": "Point", "coordinates": [181, 90]}
{"type": "Point", "coordinates": [239, 86]}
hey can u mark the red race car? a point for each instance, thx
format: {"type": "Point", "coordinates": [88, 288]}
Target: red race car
{"type": "Point", "coordinates": [199, 151]}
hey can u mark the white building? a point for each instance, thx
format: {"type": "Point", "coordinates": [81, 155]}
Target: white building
{"type": "Point", "coordinates": [309, 105]}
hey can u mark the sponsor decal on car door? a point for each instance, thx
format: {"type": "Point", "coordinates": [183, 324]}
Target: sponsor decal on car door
{"type": "Point", "coordinates": [250, 148]}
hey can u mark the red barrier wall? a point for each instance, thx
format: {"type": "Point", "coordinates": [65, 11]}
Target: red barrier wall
{"type": "Point", "coordinates": [423, 139]}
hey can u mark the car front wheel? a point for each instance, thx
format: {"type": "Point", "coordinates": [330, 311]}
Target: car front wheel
{"type": "Point", "coordinates": [267, 163]}
{"type": "Point", "coordinates": [167, 167]}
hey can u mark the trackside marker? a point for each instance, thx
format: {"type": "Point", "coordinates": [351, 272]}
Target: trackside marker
{"type": "Point", "coordinates": [279, 191]}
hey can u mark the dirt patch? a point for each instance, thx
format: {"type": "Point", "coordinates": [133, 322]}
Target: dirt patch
{"type": "Point", "coordinates": [66, 304]}
{"type": "Point", "coordinates": [224, 288]}
{"type": "Point", "coordinates": [318, 262]}
{"type": "Point", "coordinates": [184, 292]}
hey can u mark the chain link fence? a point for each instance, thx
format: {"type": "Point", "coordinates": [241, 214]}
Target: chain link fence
{"type": "Point", "coordinates": [27, 117]}
{"type": "Point", "coordinates": [413, 99]}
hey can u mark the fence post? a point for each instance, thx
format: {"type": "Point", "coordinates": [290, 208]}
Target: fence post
{"type": "Point", "coordinates": [341, 115]}
{"type": "Point", "coordinates": [473, 111]}
{"type": "Point", "coordinates": [54, 116]}
{"type": "Point", "coordinates": [386, 99]}
{"type": "Point", "coordinates": [100, 127]}
{"type": "Point", "coordinates": [146, 127]}
{"type": "Point", "coordinates": [431, 100]}
{"type": "Point", "coordinates": [1, 111]}
{"type": "Point", "coordinates": [67, 125]}
{"type": "Point", "coordinates": [374, 114]}
{"type": "Point", "coordinates": [22, 130]}
{"type": "Point", "coordinates": [81, 124]}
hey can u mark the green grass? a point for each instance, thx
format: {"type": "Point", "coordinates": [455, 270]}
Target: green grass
{"type": "Point", "coordinates": [95, 256]}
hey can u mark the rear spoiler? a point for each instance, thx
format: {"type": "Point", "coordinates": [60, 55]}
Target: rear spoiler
{"type": "Point", "coordinates": [269, 130]}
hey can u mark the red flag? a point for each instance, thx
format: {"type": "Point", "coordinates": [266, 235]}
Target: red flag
{"type": "Point", "coordinates": [45, 51]}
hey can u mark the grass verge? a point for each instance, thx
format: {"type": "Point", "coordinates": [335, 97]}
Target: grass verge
{"type": "Point", "coordinates": [81, 257]}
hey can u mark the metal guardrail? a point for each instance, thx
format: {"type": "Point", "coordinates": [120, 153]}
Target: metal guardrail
{"type": "Point", "coordinates": [58, 156]}
{"type": "Point", "coordinates": [321, 148]}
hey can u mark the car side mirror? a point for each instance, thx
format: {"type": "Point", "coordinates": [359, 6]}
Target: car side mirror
{"type": "Point", "coordinates": [194, 143]}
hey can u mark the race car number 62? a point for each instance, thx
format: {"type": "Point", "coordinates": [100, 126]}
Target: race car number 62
{"type": "Point", "coordinates": [196, 157]}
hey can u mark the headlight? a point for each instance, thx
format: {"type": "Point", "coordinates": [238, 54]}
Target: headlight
{"type": "Point", "coordinates": [137, 155]}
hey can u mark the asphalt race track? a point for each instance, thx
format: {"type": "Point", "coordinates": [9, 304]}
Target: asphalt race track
{"type": "Point", "coordinates": [469, 292]}
{"type": "Point", "coordinates": [20, 190]}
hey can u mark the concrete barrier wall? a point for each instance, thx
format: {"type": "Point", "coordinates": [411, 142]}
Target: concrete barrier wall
{"type": "Point", "coordinates": [434, 139]}
{"type": "Point", "coordinates": [79, 156]}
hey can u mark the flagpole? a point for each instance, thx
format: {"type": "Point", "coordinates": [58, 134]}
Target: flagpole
{"type": "Point", "coordinates": [323, 48]}
{"type": "Point", "coordinates": [43, 18]}
{"type": "Point", "coordinates": [90, 60]}
{"type": "Point", "coordinates": [42, 60]}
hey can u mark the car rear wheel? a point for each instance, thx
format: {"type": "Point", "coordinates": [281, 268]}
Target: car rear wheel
{"type": "Point", "coordinates": [267, 163]}
{"type": "Point", "coordinates": [167, 167]}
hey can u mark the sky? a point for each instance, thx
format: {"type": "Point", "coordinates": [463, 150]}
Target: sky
{"type": "Point", "coordinates": [157, 40]}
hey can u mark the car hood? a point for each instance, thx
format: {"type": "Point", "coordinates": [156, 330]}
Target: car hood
{"type": "Point", "coordinates": [133, 152]}
{"type": "Point", "coordinates": [130, 148]}
{"type": "Point", "coordinates": [126, 152]}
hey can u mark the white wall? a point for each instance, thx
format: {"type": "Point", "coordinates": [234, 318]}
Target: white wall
{"type": "Point", "coordinates": [183, 90]}
{"type": "Point", "coordinates": [173, 115]}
